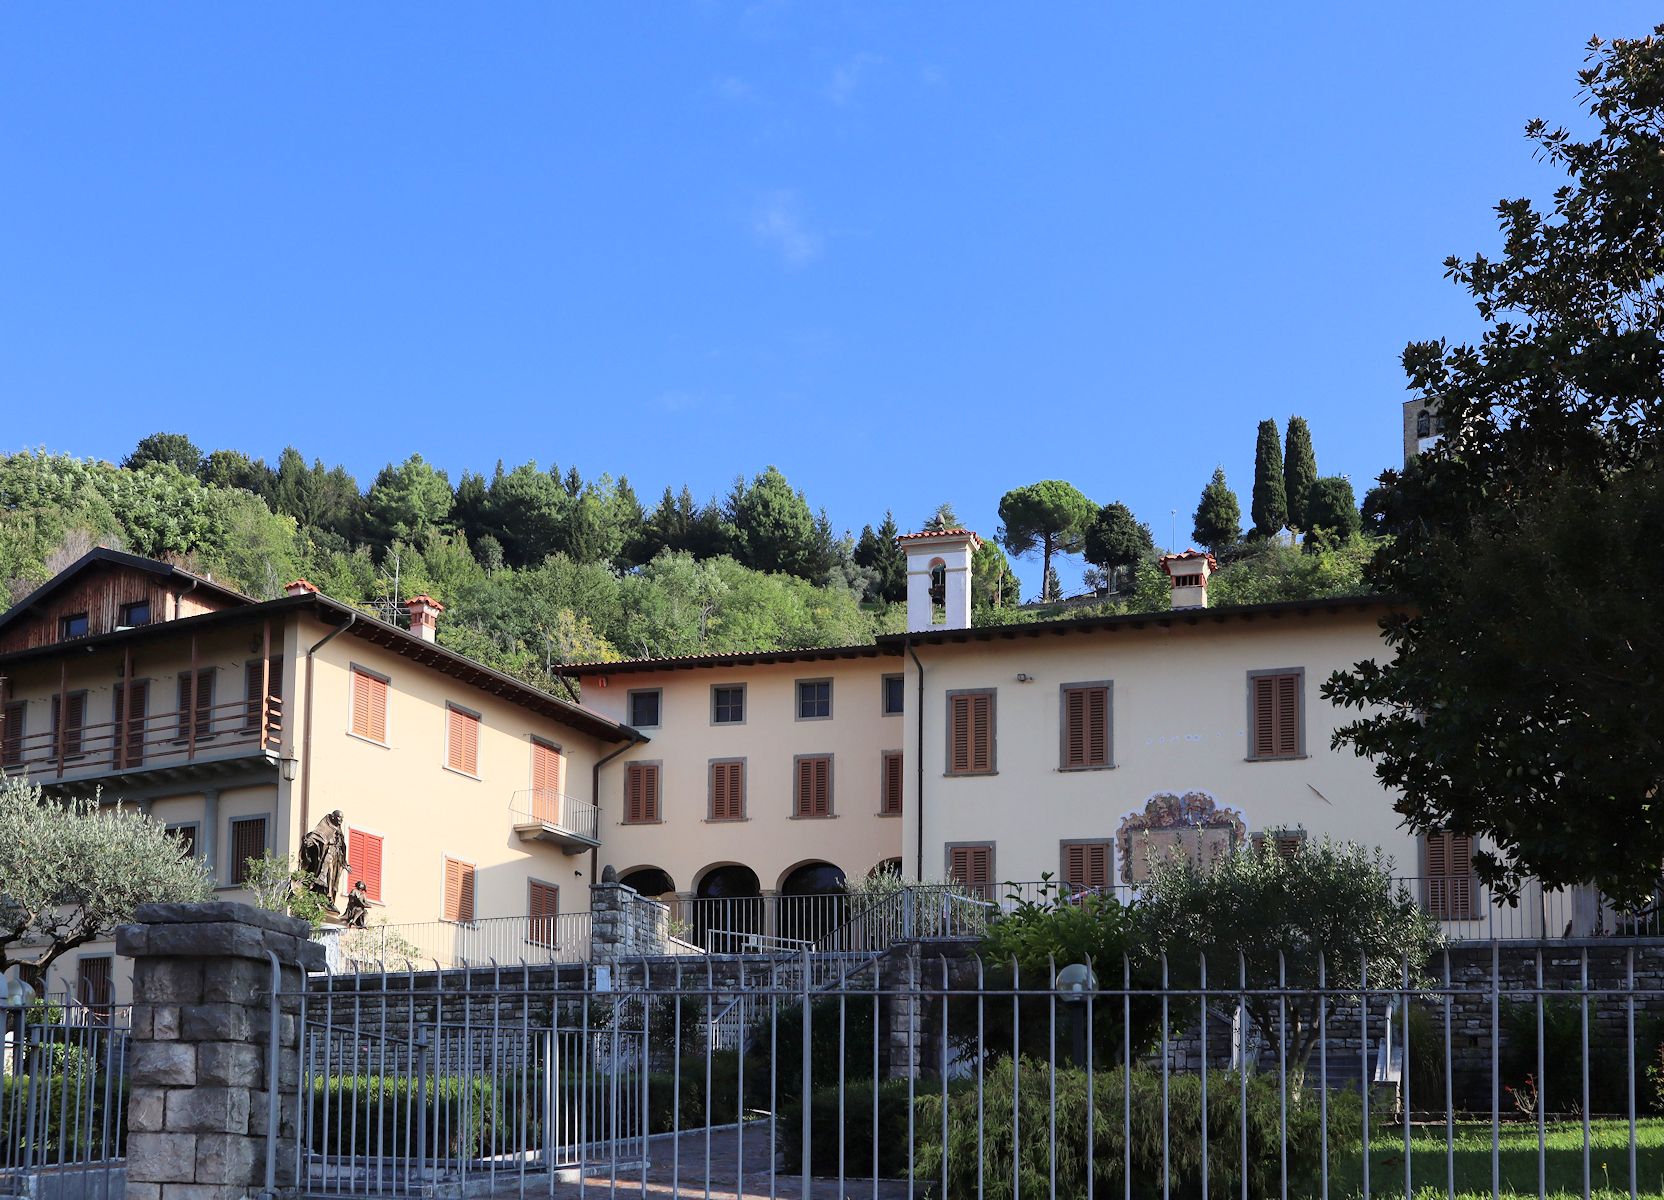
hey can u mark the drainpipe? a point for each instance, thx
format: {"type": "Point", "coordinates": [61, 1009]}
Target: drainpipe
{"type": "Point", "coordinates": [306, 735]}
{"type": "Point", "coordinates": [918, 767]}
{"type": "Point", "coordinates": [595, 793]}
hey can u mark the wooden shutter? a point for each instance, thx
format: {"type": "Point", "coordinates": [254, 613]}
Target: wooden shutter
{"type": "Point", "coordinates": [11, 743]}
{"type": "Point", "coordinates": [1450, 883]}
{"type": "Point", "coordinates": [462, 741]}
{"type": "Point", "coordinates": [369, 706]}
{"type": "Point", "coordinates": [544, 902]}
{"type": "Point", "coordinates": [203, 696]}
{"type": "Point", "coordinates": [1086, 726]}
{"type": "Point", "coordinates": [256, 712]}
{"type": "Point", "coordinates": [971, 733]}
{"type": "Point", "coordinates": [727, 791]}
{"type": "Point", "coordinates": [133, 703]}
{"type": "Point", "coordinates": [75, 705]}
{"type": "Point", "coordinates": [459, 891]}
{"type": "Point", "coordinates": [94, 984]}
{"type": "Point", "coordinates": [814, 786]}
{"type": "Point", "coordinates": [1086, 864]}
{"type": "Point", "coordinates": [972, 866]}
{"type": "Point", "coordinates": [891, 785]}
{"type": "Point", "coordinates": [641, 792]}
{"type": "Point", "coordinates": [248, 840]}
{"type": "Point", "coordinates": [548, 781]}
{"type": "Point", "coordinates": [364, 854]}
{"type": "Point", "coordinates": [1276, 714]}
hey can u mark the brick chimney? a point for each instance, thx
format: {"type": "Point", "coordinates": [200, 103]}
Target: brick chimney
{"type": "Point", "coordinates": [299, 587]}
{"type": "Point", "coordinates": [424, 616]}
{"type": "Point", "coordinates": [1189, 573]}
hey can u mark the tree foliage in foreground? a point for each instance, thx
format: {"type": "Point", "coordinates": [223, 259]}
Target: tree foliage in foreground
{"type": "Point", "coordinates": [71, 871]}
{"type": "Point", "coordinates": [1522, 702]}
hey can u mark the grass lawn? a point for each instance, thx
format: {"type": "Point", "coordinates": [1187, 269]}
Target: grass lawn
{"type": "Point", "coordinates": [1563, 1161]}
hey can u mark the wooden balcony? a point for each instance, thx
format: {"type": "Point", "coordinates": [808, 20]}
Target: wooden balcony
{"type": "Point", "coordinates": [545, 815]}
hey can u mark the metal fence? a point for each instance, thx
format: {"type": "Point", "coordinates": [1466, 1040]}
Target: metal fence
{"type": "Point", "coordinates": [421, 944]}
{"type": "Point", "coordinates": [63, 1100]}
{"type": "Point", "coordinates": [1507, 1074]}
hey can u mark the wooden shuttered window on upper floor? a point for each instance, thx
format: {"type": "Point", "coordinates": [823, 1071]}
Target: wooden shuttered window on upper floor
{"type": "Point", "coordinates": [203, 696]}
{"type": "Point", "coordinates": [1275, 716]}
{"type": "Point", "coordinates": [369, 705]}
{"type": "Point", "coordinates": [66, 733]}
{"type": "Point", "coordinates": [459, 891]}
{"type": "Point", "coordinates": [641, 793]}
{"type": "Point", "coordinates": [890, 785]}
{"type": "Point", "coordinates": [1451, 889]}
{"type": "Point", "coordinates": [543, 902]}
{"type": "Point", "coordinates": [11, 736]}
{"type": "Point", "coordinates": [462, 740]}
{"type": "Point", "coordinates": [971, 733]}
{"type": "Point", "coordinates": [248, 840]}
{"type": "Point", "coordinates": [364, 855]}
{"type": "Point", "coordinates": [548, 781]}
{"type": "Point", "coordinates": [132, 705]}
{"type": "Point", "coordinates": [1086, 864]}
{"type": "Point", "coordinates": [1085, 740]}
{"type": "Point", "coordinates": [256, 708]}
{"type": "Point", "coordinates": [972, 866]}
{"type": "Point", "coordinates": [812, 791]}
{"type": "Point", "coordinates": [727, 791]}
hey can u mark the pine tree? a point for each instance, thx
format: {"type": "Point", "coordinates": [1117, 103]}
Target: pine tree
{"type": "Point", "coordinates": [1299, 471]}
{"type": "Point", "coordinates": [1270, 509]}
{"type": "Point", "coordinates": [1218, 516]}
{"type": "Point", "coordinates": [1052, 589]}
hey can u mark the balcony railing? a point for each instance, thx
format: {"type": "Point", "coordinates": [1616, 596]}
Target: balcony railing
{"type": "Point", "coordinates": [163, 739]}
{"type": "Point", "coordinates": [543, 814]}
{"type": "Point", "coordinates": [420, 945]}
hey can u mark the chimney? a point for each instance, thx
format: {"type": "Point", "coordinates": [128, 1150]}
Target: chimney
{"type": "Point", "coordinates": [299, 587]}
{"type": "Point", "coordinates": [1189, 575]}
{"type": "Point", "coordinates": [938, 577]}
{"type": "Point", "coordinates": [424, 616]}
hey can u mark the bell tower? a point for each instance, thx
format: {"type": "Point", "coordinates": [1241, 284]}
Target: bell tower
{"type": "Point", "coordinates": [939, 578]}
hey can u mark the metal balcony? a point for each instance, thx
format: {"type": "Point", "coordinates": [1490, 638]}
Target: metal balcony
{"type": "Point", "coordinates": [545, 815]}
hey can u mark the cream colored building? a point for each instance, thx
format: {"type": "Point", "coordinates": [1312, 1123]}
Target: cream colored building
{"type": "Point", "coordinates": [468, 797]}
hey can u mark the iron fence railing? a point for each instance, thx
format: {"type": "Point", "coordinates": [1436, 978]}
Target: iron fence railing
{"type": "Point", "coordinates": [509, 940]}
{"type": "Point", "coordinates": [556, 811]}
{"type": "Point", "coordinates": [152, 739]}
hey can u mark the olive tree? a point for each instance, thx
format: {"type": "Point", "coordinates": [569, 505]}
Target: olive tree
{"type": "Point", "coordinates": [72, 870]}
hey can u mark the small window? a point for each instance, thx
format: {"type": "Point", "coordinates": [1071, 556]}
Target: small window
{"type": "Point", "coordinates": [644, 708]}
{"type": "Point", "coordinates": [1085, 743]}
{"type": "Point", "coordinates": [459, 891]}
{"type": "Point", "coordinates": [814, 699]}
{"type": "Point", "coordinates": [248, 841]}
{"type": "Point", "coordinates": [73, 626]}
{"type": "Point", "coordinates": [543, 902]}
{"type": "Point", "coordinates": [1275, 712]}
{"type": "Point", "coordinates": [1424, 424]}
{"type": "Point", "coordinates": [895, 695]}
{"type": "Point", "coordinates": [462, 740]}
{"type": "Point", "coordinates": [185, 836]}
{"type": "Point", "coordinates": [728, 704]}
{"type": "Point", "coordinates": [95, 983]}
{"type": "Point", "coordinates": [890, 785]}
{"type": "Point", "coordinates": [1086, 865]}
{"type": "Point", "coordinates": [641, 793]}
{"type": "Point", "coordinates": [1285, 843]}
{"type": "Point", "coordinates": [971, 865]}
{"type": "Point", "coordinates": [1451, 887]}
{"type": "Point", "coordinates": [11, 737]}
{"type": "Point", "coordinates": [727, 800]}
{"type": "Point", "coordinates": [970, 733]}
{"type": "Point", "coordinates": [1180, 581]}
{"type": "Point", "coordinates": [135, 614]}
{"type": "Point", "coordinates": [364, 859]}
{"type": "Point", "coordinates": [369, 705]}
{"type": "Point", "coordinates": [812, 794]}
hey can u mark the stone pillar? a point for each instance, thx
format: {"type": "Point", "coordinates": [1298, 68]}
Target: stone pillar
{"type": "Point", "coordinates": [624, 923]}
{"type": "Point", "coordinates": [202, 991]}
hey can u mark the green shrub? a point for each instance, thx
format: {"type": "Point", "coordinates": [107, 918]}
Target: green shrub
{"type": "Point", "coordinates": [826, 1047]}
{"type": "Point", "coordinates": [852, 1109]}
{"type": "Point", "coordinates": [1427, 1058]}
{"type": "Point", "coordinates": [990, 1134]}
{"type": "Point", "coordinates": [1561, 1087]}
{"type": "Point", "coordinates": [71, 1125]}
{"type": "Point", "coordinates": [386, 1112]}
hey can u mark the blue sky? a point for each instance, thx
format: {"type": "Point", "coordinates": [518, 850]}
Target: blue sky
{"type": "Point", "coordinates": [908, 254]}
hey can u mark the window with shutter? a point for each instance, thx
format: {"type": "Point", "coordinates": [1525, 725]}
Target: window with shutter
{"type": "Point", "coordinates": [364, 857]}
{"type": "Point", "coordinates": [185, 836]}
{"type": "Point", "coordinates": [1452, 889]}
{"type": "Point", "coordinates": [369, 705]}
{"type": "Point", "coordinates": [813, 790]}
{"type": "Point", "coordinates": [1085, 741]}
{"type": "Point", "coordinates": [641, 793]}
{"type": "Point", "coordinates": [459, 891]}
{"type": "Point", "coordinates": [248, 840]}
{"type": "Point", "coordinates": [727, 790]}
{"type": "Point", "coordinates": [890, 784]}
{"type": "Point", "coordinates": [462, 740]}
{"type": "Point", "coordinates": [11, 741]}
{"type": "Point", "coordinates": [1085, 865]}
{"type": "Point", "coordinates": [543, 903]}
{"type": "Point", "coordinates": [1275, 714]}
{"type": "Point", "coordinates": [548, 781]}
{"type": "Point", "coordinates": [970, 733]}
{"type": "Point", "coordinates": [1285, 843]}
{"type": "Point", "coordinates": [95, 982]}
{"type": "Point", "coordinates": [132, 706]}
{"type": "Point", "coordinates": [203, 694]}
{"type": "Point", "coordinates": [972, 866]}
{"type": "Point", "coordinates": [256, 709]}
{"type": "Point", "coordinates": [67, 735]}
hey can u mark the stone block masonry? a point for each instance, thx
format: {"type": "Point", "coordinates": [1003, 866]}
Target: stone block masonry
{"type": "Point", "coordinates": [202, 995]}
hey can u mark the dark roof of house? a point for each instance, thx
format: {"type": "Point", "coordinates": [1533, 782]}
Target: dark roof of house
{"type": "Point", "coordinates": [103, 556]}
{"type": "Point", "coordinates": [357, 624]}
{"type": "Point", "coordinates": [742, 658]}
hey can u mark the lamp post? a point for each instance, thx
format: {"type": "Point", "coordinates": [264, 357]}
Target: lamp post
{"type": "Point", "coordinates": [1074, 982]}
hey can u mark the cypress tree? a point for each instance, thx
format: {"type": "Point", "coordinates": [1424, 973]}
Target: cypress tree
{"type": "Point", "coordinates": [1299, 471]}
{"type": "Point", "coordinates": [1218, 516]}
{"type": "Point", "coordinates": [1270, 509]}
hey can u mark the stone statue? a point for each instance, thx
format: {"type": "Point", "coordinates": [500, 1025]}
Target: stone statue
{"type": "Point", "coordinates": [358, 906]}
{"type": "Point", "coordinates": [323, 856]}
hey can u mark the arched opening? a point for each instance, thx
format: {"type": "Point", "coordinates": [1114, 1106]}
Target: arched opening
{"type": "Point", "coordinates": [938, 582]}
{"type": "Point", "coordinates": [728, 908]}
{"type": "Point", "coordinates": [813, 901]}
{"type": "Point", "coordinates": [1424, 424]}
{"type": "Point", "coordinates": [649, 881]}
{"type": "Point", "coordinates": [890, 866]}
